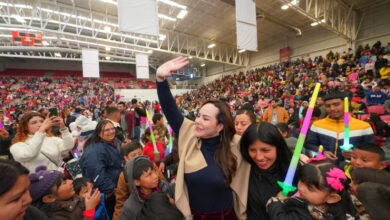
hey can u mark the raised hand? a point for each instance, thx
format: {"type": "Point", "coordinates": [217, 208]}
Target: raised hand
{"type": "Point", "coordinates": [92, 201]}
{"type": "Point", "coordinates": [167, 68]}
{"type": "Point", "coordinates": [59, 122]}
{"type": "Point", "coordinates": [47, 123]}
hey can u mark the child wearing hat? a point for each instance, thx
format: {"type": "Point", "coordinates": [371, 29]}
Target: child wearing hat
{"type": "Point", "coordinates": [55, 196]}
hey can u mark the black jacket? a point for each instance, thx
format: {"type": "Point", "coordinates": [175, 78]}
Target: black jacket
{"type": "Point", "coordinates": [294, 208]}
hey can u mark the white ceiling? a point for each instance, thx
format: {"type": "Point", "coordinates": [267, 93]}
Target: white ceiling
{"type": "Point", "coordinates": [214, 20]}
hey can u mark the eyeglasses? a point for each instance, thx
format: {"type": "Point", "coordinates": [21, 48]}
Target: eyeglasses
{"type": "Point", "coordinates": [108, 130]}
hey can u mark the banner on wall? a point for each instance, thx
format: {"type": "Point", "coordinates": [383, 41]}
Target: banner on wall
{"type": "Point", "coordinates": [246, 25]}
{"type": "Point", "coordinates": [285, 54]}
{"type": "Point", "coordinates": [90, 58]}
{"type": "Point", "coordinates": [138, 16]}
{"type": "Point", "coordinates": [142, 66]}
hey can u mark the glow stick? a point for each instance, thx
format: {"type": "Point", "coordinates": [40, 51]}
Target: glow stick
{"type": "Point", "coordinates": [169, 149]}
{"type": "Point", "coordinates": [346, 146]}
{"type": "Point", "coordinates": [152, 133]}
{"type": "Point", "coordinates": [320, 149]}
{"type": "Point", "coordinates": [287, 184]}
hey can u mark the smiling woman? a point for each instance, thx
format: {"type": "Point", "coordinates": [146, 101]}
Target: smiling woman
{"type": "Point", "coordinates": [102, 161]}
{"type": "Point", "coordinates": [208, 182]}
{"type": "Point", "coordinates": [264, 148]}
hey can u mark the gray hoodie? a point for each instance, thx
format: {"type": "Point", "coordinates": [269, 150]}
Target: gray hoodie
{"type": "Point", "coordinates": [134, 203]}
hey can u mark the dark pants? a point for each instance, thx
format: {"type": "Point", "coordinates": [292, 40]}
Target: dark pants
{"type": "Point", "coordinates": [110, 205]}
{"type": "Point", "coordinates": [227, 214]}
{"type": "Point", "coordinates": [137, 133]}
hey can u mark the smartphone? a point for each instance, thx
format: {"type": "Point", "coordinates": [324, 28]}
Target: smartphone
{"type": "Point", "coordinates": [53, 112]}
{"type": "Point", "coordinates": [1, 126]}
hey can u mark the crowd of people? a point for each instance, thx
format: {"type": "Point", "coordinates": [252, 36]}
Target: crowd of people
{"type": "Point", "coordinates": [73, 150]}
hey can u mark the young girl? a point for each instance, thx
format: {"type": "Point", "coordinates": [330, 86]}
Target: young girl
{"type": "Point", "coordinates": [149, 149]}
{"type": "Point", "coordinates": [322, 194]}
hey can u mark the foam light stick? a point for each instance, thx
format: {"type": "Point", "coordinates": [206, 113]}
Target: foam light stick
{"type": "Point", "coordinates": [287, 185]}
{"type": "Point", "coordinates": [346, 146]}
{"type": "Point", "coordinates": [169, 149]}
{"type": "Point", "coordinates": [152, 133]}
{"type": "Point", "coordinates": [320, 149]}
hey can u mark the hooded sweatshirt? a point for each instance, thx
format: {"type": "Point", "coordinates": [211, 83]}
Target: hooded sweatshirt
{"type": "Point", "coordinates": [134, 203]}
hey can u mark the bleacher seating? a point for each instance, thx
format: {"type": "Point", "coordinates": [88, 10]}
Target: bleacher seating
{"type": "Point", "coordinates": [378, 109]}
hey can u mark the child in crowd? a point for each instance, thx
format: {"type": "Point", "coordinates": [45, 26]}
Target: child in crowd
{"type": "Point", "coordinates": [143, 177]}
{"type": "Point", "coordinates": [55, 196]}
{"type": "Point", "coordinates": [15, 198]}
{"type": "Point", "coordinates": [322, 194]}
{"type": "Point", "coordinates": [290, 141]}
{"type": "Point", "coordinates": [123, 189]}
{"type": "Point", "coordinates": [149, 148]}
{"type": "Point", "coordinates": [365, 174]}
{"type": "Point", "coordinates": [82, 186]}
{"type": "Point", "coordinates": [162, 130]}
{"type": "Point", "coordinates": [376, 199]}
{"type": "Point", "coordinates": [367, 155]}
{"type": "Point", "coordinates": [158, 206]}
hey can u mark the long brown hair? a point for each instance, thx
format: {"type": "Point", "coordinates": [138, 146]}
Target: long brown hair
{"type": "Point", "coordinates": [22, 131]}
{"type": "Point", "coordinates": [223, 156]}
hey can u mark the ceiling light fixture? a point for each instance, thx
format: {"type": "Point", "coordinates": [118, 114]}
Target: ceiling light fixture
{"type": "Point", "coordinates": [110, 1]}
{"type": "Point", "coordinates": [182, 14]}
{"type": "Point", "coordinates": [45, 43]}
{"type": "Point", "coordinates": [202, 65]}
{"type": "Point", "coordinates": [101, 45]}
{"type": "Point", "coordinates": [284, 7]}
{"type": "Point", "coordinates": [166, 17]}
{"type": "Point", "coordinates": [314, 24]}
{"type": "Point", "coordinates": [57, 54]}
{"type": "Point", "coordinates": [190, 57]}
{"type": "Point", "coordinates": [108, 58]}
{"type": "Point", "coordinates": [172, 3]}
{"type": "Point", "coordinates": [108, 48]}
{"type": "Point", "coordinates": [294, 2]}
{"type": "Point", "coordinates": [107, 29]}
{"type": "Point", "coordinates": [19, 19]}
{"type": "Point", "coordinates": [162, 37]}
{"type": "Point", "coordinates": [211, 46]}
{"type": "Point", "coordinates": [241, 51]}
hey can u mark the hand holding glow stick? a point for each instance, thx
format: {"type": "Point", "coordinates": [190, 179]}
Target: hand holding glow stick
{"type": "Point", "coordinates": [169, 148]}
{"type": "Point", "coordinates": [151, 133]}
{"type": "Point", "coordinates": [346, 146]}
{"type": "Point", "coordinates": [287, 185]}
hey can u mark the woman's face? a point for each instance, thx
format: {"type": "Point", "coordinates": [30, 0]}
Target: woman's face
{"type": "Point", "coordinates": [34, 124]}
{"type": "Point", "coordinates": [108, 132]}
{"type": "Point", "coordinates": [206, 124]}
{"type": "Point", "coordinates": [241, 123]}
{"type": "Point", "coordinates": [263, 154]}
{"type": "Point", "coordinates": [15, 201]}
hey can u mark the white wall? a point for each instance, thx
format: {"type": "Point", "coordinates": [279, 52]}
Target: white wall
{"type": "Point", "coordinates": [375, 26]}
{"type": "Point", "coordinates": [319, 41]}
{"type": "Point", "coordinates": [16, 63]}
{"type": "Point", "coordinates": [314, 42]}
{"type": "Point", "coordinates": [145, 94]}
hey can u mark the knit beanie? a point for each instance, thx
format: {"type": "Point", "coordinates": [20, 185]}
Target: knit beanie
{"type": "Point", "coordinates": [41, 181]}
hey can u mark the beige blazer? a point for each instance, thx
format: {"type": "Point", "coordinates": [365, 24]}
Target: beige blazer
{"type": "Point", "coordinates": [192, 160]}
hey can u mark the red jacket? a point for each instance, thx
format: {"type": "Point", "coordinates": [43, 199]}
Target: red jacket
{"type": "Point", "coordinates": [149, 150]}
